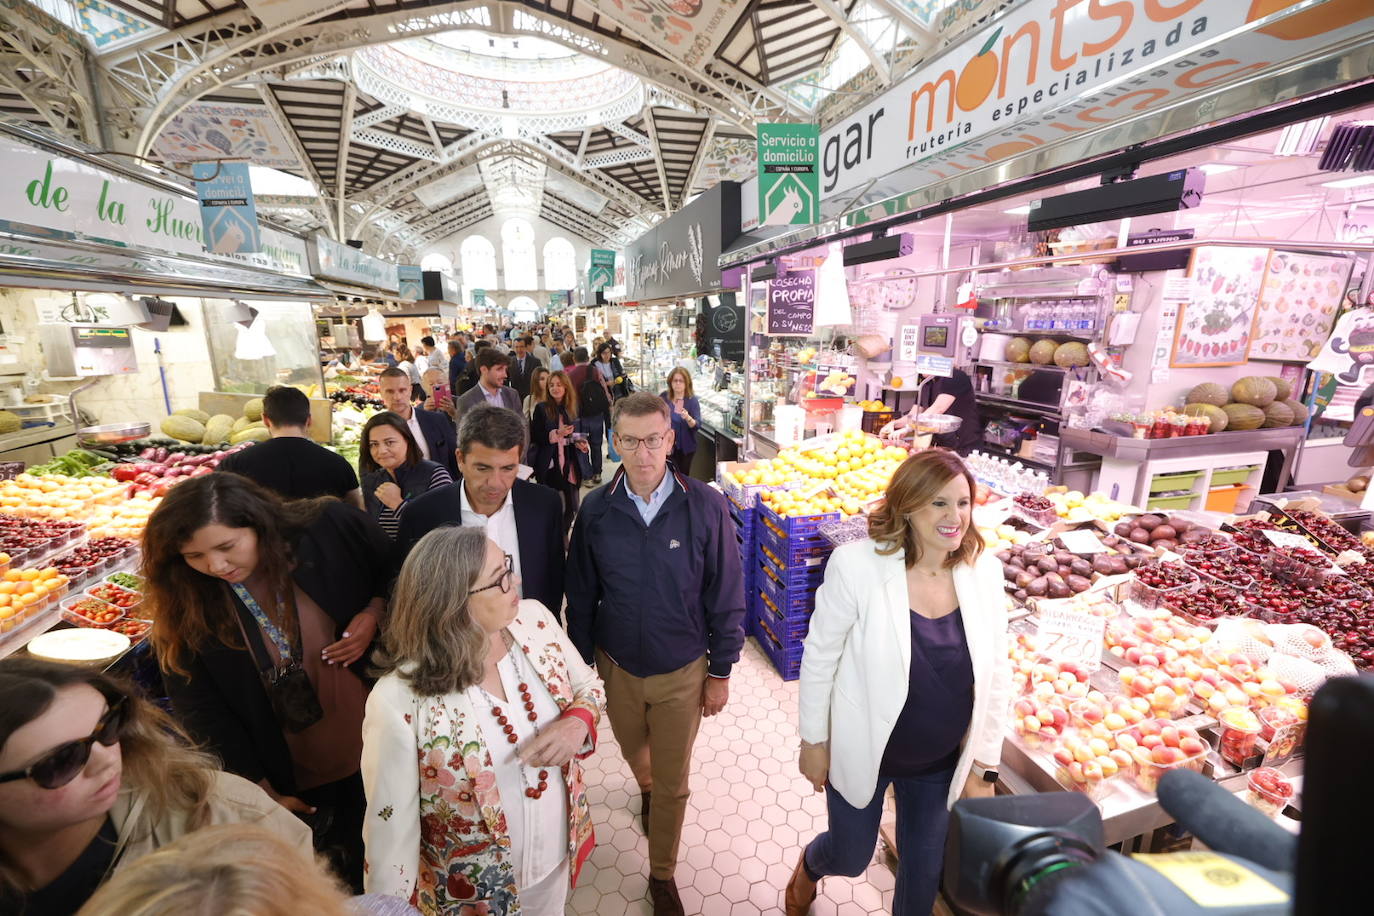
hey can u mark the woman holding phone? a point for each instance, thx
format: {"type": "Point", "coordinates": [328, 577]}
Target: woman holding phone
{"type": "Point", "coordinates": [556, 441]}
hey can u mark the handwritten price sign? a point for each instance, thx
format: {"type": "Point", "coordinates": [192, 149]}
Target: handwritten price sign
{"type": "Point", "coordinates": [1071, 636]}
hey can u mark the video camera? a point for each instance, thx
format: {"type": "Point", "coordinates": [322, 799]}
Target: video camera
{"type": "Point", "coordinates": [1028, 855]}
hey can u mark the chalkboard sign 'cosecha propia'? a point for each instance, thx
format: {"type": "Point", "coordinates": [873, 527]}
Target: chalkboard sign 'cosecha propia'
{"type": "Point", "coordinates": [792, 303]}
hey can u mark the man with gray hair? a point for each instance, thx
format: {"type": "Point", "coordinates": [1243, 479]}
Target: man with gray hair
{"type": "Point", "coordinates": [656, 597]}
{"type": "Point", "coordinates": [525, 519]}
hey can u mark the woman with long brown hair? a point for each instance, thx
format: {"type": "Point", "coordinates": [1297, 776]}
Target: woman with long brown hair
{"type": "Point", "coordinates": [92, 777]}
{"type": "Point", "coordinates": [263, 614]}
{"type": "Point", "coordinates": [473, 740]}
{"type": "Point", "coordinates": [555, 440]}
{"type": "Point", "coordinates": [923, 714]}
{"type": "Point", "coordinates": [686, 417]}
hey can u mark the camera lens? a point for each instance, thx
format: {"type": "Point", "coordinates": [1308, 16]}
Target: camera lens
{"type": "Point", "coordinates": [1034, 860]}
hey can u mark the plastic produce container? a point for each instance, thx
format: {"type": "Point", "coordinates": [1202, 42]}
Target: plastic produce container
{"type": "Point", "coordinates": [1239, 727]}
{"type": "Point", "coordinates": [80, 610]}
{"type": "Point", "coordinates": [1148, 772]}
{"type": "Point", "coordinates": [1268, 790]}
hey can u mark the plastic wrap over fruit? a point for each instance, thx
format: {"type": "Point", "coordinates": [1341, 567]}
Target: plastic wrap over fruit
{"type": "Point", "coordinates": [1241, 635]}
{"type": "Point", "coordinates": [1306, 676]}
{"type": "Point", "coordinates": [1299, 639]}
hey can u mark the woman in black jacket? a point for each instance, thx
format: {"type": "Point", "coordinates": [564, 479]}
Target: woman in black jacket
{"type": "Point", "coordinates": [552, 431]}
{"type": "Point", "coordinates": [264, 613]}
{"type": "Point", "coordinates": [392, 470]}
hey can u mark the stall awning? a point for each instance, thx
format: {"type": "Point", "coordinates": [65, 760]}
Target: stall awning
{"type": "Point", "coordinates": [71, 264]}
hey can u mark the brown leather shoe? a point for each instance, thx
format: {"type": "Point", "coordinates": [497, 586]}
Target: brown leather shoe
{"type": "Point", "coordinates": [801, 890]}
{"type": "Point", "coordinates": [663, 893]}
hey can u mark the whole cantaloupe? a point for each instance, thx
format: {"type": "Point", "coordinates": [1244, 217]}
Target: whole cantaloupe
{"type": "Point", "coordinates": [1283, 388]}
{"type": "Point", "coordinates": [10, 422]}
{"type": "Point", "coordinates": [1278, 414]}
{"type": "Point", "coordinates": [1209, 393]}
{"type": "Point", "coordinates": [1299, 411]}
{"type": "Point", "coordinates": [1042, 352]}
{"type": "Point", "coordinates": [240, 425]}
{"type": "Point", "coordinates": [1071, 355]}
{"type": "Point", "coordinates": [1018, 350]}
{"type": "Point", "coordinates": [253, 409]}
{"type": "Point", "coordinates": [217, 430]}
{"type": "Point", "coordinates": [1254, 390]}
{"type": "Point", "coordinates": [251, 434]}
{"type": "Point", "coordinates": [1211, 412]}
{"type": "Point", "coordinates": [1243, 417]}
{"type": "Point", "coordinates": [186, 429]}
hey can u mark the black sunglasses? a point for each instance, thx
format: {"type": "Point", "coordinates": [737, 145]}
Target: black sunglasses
{"type": "Point", "coordinates": [63, 763]}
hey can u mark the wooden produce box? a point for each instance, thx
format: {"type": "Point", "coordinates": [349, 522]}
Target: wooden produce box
{"type": "Point", "coordinates": [321, 410]}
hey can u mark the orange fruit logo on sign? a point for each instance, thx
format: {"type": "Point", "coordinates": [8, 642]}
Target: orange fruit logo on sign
{"type": "Point", "coordinates": [978, 76]}
{"type": "Point", "coordinates": [1331, 15]}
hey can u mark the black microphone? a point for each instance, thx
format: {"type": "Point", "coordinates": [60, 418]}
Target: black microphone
{"type": "Point", "coordinates": [1224, 822]}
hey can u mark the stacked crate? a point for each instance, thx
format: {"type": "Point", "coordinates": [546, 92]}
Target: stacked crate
{"type": "Point", "coordinates": [789, 565]}
{"type": "Point", "coordinates": [746, 522]}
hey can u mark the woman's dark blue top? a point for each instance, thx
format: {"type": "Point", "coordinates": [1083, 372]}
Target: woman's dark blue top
{"type": "Point", "coordinates": [939, 700]}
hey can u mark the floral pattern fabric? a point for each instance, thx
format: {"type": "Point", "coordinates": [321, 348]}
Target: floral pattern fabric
{"type": "Point", "coordinates": [435, 831]}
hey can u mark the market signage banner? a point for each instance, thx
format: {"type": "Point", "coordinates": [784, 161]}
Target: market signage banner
{"type": "Point", "coordinates": [333, 261]}
{"type": "Point", "coordinates": [681, 255]}
{"type": "Point", "coordinates": [410, 281]}
{"type": "Point", "coordinates": [792, 303]}
{"type": "Point", "coordinates": [227, 211]}
{"type": "Point", "coordinates": [279, 252]}
{"type": "Point", "coordinates": [479, 298]}
{"type": "Point", "coordinates": [1051, 68]}
{"type": "Point", "coordinates": [602, 270]}
{"type": "Point", "coordinates": [789, 174]}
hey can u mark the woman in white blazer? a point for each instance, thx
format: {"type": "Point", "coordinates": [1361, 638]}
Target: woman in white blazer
{"type": "Point", "coordinates": [473, 739]}
{"type": "Point", "coordinates": [904, 682]}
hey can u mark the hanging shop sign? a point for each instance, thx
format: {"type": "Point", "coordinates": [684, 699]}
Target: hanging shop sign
{"type": "Point", "coordinates": [410, 281]}
{"type": "Point", "coordinates": [479, 298]}
{"type": "Point", "coordinates": [601, 274]}
{"type": "Point", "coordinates": [792, 303]}
{"type": "Point", "coordinates": [789, 176]}
{"type": "Point", "coordinates": [558, 300]}
{"type": "Point", "coordinates": [1046, 71]}
{"type": "Point", "coordinates": [279, 252]}
{"type": "Point", "coordinates": [681, 255]}
{"type": "Point", "coordinates": [228, 214]}
{"type": "Point", "coordinates": [333, 261]}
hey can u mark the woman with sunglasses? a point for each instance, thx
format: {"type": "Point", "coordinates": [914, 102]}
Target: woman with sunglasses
{"type": "Point", "coordinates": [473, 740]}
{"type": "Point", "coordinates": [92, 777]}
{"type": "Point", "coordinates": [264, 612]}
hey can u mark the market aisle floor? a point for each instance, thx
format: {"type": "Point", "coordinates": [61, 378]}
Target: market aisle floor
{"type": "Point", "coordinates": [749, 815]}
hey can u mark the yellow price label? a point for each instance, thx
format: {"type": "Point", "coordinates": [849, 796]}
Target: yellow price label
{"type": "Point", "coordinates": [1213, 880]}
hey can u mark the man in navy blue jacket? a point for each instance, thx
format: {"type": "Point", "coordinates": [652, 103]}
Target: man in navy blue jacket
{"type": "Point", "coordinates": [656, 597]}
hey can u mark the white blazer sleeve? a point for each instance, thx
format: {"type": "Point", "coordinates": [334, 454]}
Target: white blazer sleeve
{"type": "Point", "coordinates": [391, 779]}
{"type": "Point", "coordinates": [836, 611]}
{"type": "Point", "coordinates": [988, 749]}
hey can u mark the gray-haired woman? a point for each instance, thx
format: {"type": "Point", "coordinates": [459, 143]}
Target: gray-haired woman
{"type": "Point", "coordinates": [473, 737]}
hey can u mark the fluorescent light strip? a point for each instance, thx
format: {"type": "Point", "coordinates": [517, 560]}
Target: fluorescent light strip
{"type": "Point", "coordinates": [1357, 182]}
{"type": "Point", "coordinates": [1018, 211]}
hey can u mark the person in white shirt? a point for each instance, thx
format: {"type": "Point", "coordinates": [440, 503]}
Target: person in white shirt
{"type": "Point", "coordinates": [434, 356]}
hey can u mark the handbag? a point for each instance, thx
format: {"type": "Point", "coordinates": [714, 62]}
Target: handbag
{"type": "Point", "coordinates": [294, 701]}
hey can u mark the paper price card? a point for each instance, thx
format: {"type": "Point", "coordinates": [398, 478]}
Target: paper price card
{"type": "Point", "coordinates": [1071, 636]}
{"type": "Point", "coordinates": [1082, 541]}
{"type": "Point", "coordinates": [1287, 540]}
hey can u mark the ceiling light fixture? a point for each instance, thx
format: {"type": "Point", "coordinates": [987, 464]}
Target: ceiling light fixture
{"type": "Point", "coordinates": [1218, 168]}
{"type": "Point", "coordinates": [1301, 139]}
{"type": "Point", "coordinates": [1357, 182]}
{"type": "Point", "coordinates": [1018, 211]}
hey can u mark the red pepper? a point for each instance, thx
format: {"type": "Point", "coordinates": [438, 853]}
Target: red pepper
{"type": "Point", "coordinates": [125, 473]}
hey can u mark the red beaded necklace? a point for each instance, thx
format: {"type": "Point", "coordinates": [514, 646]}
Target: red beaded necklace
{"type": "Point", "coordinates": [506, 726]}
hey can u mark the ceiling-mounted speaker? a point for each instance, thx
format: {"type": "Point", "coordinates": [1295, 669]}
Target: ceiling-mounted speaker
{"type": "Point", "coordinates": [355, 243]}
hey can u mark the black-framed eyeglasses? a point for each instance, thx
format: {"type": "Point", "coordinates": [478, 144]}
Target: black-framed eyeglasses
{"type": "Point", "coordinates": [502, 583]}
{"type": "Point", "coordinates": [63, 763]}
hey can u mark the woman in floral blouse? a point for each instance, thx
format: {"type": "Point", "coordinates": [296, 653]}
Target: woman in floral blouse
{"type": "Point", "coordinates": [472, 740]}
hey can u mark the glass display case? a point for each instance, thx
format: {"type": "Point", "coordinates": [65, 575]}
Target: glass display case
{"type": "Point", "coordinates": [281, 347]}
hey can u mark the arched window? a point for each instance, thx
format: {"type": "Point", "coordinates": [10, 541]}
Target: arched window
{"type": "Point", "coordinates": [436, 261]}
{"type": "Point", "coordinates": [560, 264]}
{"type": "Point", "coordinates": [479, 262]}
{"type": "Point", "coordinates": [524, 308]}
{"type": "Point", "coordinates": [517, 254]}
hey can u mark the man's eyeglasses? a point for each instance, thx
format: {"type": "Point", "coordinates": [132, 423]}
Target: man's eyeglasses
{"type": "Point", "coordinates": [502, 583]}
{"type": "Point", "coordinates": [632, 443]}
{"type": "Point", "coordinates": [63, 763]}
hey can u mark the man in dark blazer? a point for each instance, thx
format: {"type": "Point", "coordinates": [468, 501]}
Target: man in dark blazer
{"type": "Point", "coordinates": [522, 366]}
{"type": "Point", "coordinates": [524, 518]}
{"type": "Point", "coordinates": [433, 431]}
{"type": "Point", "coordinates": [491, 388]}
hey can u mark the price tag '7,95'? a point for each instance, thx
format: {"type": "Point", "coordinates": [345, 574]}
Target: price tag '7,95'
{"type": "Point", "coordinates": [1072, 636]}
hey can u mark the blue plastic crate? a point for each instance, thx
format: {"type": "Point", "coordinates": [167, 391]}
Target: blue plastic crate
{"type": "Point", "coordinates": [745, 518]}
{"type": "Point", "coordinates": [785, 655]}
{"type": "Point", "coordinates": [797, 550]}
{"type": "Point", "coordinates": [789, 598]}
{"type": "Point", "coordinates": [802, 571]}
{"type": "Point", "coordinates": [788, 623]}
{"type": "Point", "coordinates": [795, 526]}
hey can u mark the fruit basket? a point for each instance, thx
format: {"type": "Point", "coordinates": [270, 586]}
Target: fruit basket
{"type": "Point", "coordinates": [1151, 584]}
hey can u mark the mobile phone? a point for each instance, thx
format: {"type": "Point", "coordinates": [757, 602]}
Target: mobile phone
{"type": "Point", "coordinates": [442, 394]}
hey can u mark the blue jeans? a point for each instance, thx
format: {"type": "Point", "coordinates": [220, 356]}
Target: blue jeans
{"type": "Point", "coordinates": [922, 822]}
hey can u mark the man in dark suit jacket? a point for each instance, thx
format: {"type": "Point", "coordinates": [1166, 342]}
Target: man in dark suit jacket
{"type": "Point", "coordinates": [433, 431]}
{"type": "Point", "coordinates": [524, 518]}
{"type": "Point", "coordinates": [522, 366]}
{"type": "Point", "coordinates": [491, 388]}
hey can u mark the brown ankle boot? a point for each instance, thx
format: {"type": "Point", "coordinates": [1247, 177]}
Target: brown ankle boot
{"type": "Point", "coordinates": [801, 890]}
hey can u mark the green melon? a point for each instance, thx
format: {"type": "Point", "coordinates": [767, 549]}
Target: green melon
{"type": "Point", "coordinates": [199, 416]}
{"type": "Point", "coordinates": [1211, 412]}
{"type": "Point", "coordinates": [187, 429]}
{"type": "Point", "coordinates": [1243, 416]}
{"type": "Point", "coordinates": [1254, 390]}
{"type": "Point", "coordinates": [1209, 393]}
{"type": "Point", "coordinates": [1042, 353]}
{"type": "Point", "coordinates": [1283, 388]}
{"type": "Point", "coordinates": [1071, 355]}
{"type": "Point", "coordinates": [1278, 414]}
{"type": "Point", "coordinates": [218, 429]}
{"type": "Point", "coordinates": [1018, 350]}
{"type": "Point", "coordinates": [253, 409]}
{"type": "Point", "coordinates": [1299, 411]}
{"type": "Point", "coordinates": [251, 434]}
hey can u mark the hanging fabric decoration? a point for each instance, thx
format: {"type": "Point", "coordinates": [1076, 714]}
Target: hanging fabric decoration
{"type": "Point", "coordinates": [832, 290]}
